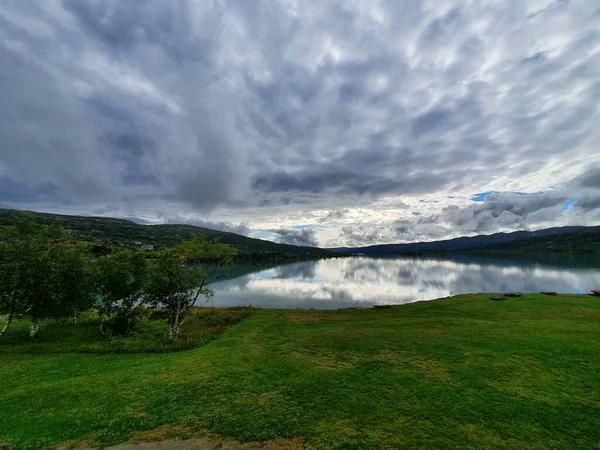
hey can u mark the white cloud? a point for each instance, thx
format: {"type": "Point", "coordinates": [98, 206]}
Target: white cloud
{"type": "Point", "coordinates": [278, 113]}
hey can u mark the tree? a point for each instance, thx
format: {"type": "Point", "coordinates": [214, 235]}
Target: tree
{"type": "Point", "coordinates": [74, 281]}
{"type": "Point", "coordinates": [64, 285]}
{"type": "Point", "coordinates": [10, 296]}
{"type": "Point", "coordinates": [44, 273]}
{"type": "Point", "coordinates": [178, 279]}
{"type": "Point", "coordinates": [121, 281]}
{"type": "Point", "coordinates": [213, 256]}
{"type": "Point", "coordinates": [172, 286]}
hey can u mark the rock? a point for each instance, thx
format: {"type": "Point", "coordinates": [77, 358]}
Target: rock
{"type": "Point", "coordinates": [512, 294]}
{"type": "Point", "coordinates": [498, 298]}
{"type": "Point", "coordinates": [548, 293]}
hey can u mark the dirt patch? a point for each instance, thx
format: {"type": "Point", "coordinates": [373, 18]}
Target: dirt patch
{"type": "Point", "coordinates": [319, 317]}
{"type": "Point", "coordinates": [323, 362]}
{"type": "Point", "coordinates": [196, 443]}
{"type": "Point", "coordinates": [162, 433]}
{"type": "Point", "coordinates": [434, 370]}
{"type": "Point", "coordinates": [177, 437]}
{"type": "Point", "coordinates": [173, 437]}
{"type": "Point", "coordinates": [209, 443]}
{"type": "Point", "coordinates": [414, 362]}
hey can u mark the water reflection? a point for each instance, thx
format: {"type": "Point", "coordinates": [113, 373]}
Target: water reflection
{"type": "Point", "coordinates": [363, 281]}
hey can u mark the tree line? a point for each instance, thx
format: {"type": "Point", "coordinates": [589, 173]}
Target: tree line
{"type": "Point", "coordinates": [46, 274]}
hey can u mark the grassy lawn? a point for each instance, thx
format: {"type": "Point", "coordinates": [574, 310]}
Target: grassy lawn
{"type": "Point", "coordinates": [150, 335]}
{"type": "Point", "coordinates": [465, 372]}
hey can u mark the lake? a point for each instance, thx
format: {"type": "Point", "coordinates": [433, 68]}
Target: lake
{"type": "Point", "coordinates": [366, 281]}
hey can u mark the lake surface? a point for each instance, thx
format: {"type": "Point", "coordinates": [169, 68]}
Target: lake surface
{"type": "Point", "coordinates": [365, 281]}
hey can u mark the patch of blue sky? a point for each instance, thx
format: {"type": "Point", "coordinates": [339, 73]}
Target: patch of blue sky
{"type": "Point", "coordinates": [567, 205]}
{"type": "Point", "coordinates": [262, 234]}
{"type": "Point", "coordinates": [480, 196]}
{"type": "Point", "coordinates": [416, 213]}
{"type": "Point", "coordinates": [528, 193]}
{"type": "Point", "coordinates": [302, 227]}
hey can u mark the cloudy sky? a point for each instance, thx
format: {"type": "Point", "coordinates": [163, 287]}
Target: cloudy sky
{"type": "Point", "coordinates": [310, 122]}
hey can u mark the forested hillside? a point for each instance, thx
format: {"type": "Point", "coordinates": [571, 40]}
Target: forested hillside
{"type": "Point", "coordinates": [571, 239]}
{"type": "Point", "coordinates": [585, 240]}
{"type": "Point", "coordinates": [106, 232]}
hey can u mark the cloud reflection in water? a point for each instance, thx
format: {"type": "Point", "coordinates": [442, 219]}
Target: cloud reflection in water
{"type": "Point", "coordinates": [360, 281]}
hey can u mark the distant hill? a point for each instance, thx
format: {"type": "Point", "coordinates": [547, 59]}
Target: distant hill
{"type": "Point", "coordinates": [584, 240]}
{"type": "Point", "coordinates": [560, 239]}
{"type": "Point", "coordinates": [106, 232]}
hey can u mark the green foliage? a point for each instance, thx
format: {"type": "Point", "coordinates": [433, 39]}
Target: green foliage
{"type": "Point", "coordinates": [177, 278]}
{"type": "Point", "coordinates": [175, 287]}
{"type": "Point", "coordinates": [464, 372]}
{"type": "Point", "coordinates": [149, 334]}
{"type": "Point", "coordinates": [122, 279]}
{"type": "Point", "coordinates": [199, 249]}
{"type": "Point", "coordinates": [75, 282]}
{"type": "Point", "coordinates": [44, 273]}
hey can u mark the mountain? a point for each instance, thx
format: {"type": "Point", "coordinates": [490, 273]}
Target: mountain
{"type": "Point", "coordinates": [559, 239]}
{"type": "Point", "coordinates": [584, 240]}
{"type": "Point", "coordinates": [106, 232]}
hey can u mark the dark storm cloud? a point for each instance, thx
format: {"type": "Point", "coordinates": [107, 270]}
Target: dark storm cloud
{"type": "Point", "coordinates": [497, 212]}
{"type": "Point", "coordinates": [358, 172]}
{"type": "Point", "coordinates": [538, 57]}
{"type": "Point", "coordinates": [334, 215]}
{"type": "Point", "coordinates": [16, 192]}
{"type": "Point", "coordinates": [241, 228]}
{"type": "Point", "coordinates": [590, 202]}
{"type": "Point", "coordinates": [210, 106]}
{"type": "Point", "coordinates": [121, 26]}
{"type": "Point", "coordinates": [589, 179]}
{"type": "Point", "coordinates": [110, 22]}
{"type": "Point", "coordinates": [503, 211]}
{"type": "Point", "coordinates": [430, 121]}
{"type": "Point", "coordinates": [365, 235]}
{"type": "Point", "coordinates": [135, 152]}
{"type": "Point", "coordinates": [293, 236]}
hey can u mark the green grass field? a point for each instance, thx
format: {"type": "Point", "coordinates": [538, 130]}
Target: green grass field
{"type": "Point", "coordinates": [465, 372]}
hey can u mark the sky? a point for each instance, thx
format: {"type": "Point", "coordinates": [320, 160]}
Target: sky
{"type": "Point", "coordinates": [310, 122]}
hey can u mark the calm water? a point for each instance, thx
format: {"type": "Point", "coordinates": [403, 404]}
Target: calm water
{"type": "Point", "coordinates": [364, 281]}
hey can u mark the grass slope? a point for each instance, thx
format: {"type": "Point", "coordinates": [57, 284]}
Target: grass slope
{"type": "Point", "coordinates": [464, 372]}
{"type": "Point", "coordinates": [109, 231]}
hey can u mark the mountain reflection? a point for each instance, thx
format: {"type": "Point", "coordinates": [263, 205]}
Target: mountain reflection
{"type": "Point", "coordinates": [362, 281]}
